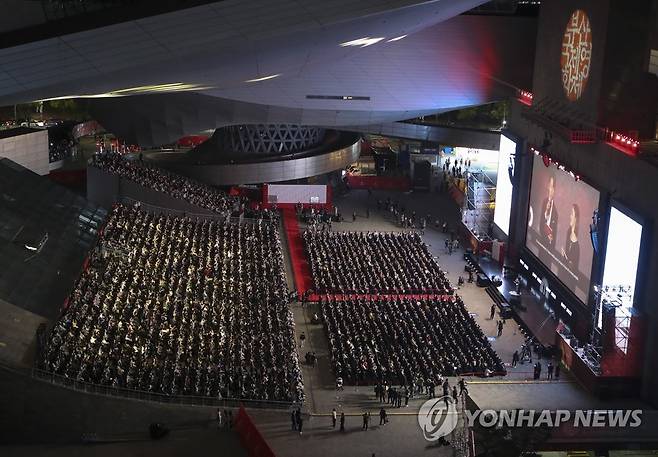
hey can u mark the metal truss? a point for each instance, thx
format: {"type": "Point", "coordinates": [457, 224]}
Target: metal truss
{"type": "Point", "coordinates": [271, 139]}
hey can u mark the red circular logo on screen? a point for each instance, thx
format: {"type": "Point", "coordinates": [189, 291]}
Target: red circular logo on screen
{"type": "Point", "coordinates": [576, 55]}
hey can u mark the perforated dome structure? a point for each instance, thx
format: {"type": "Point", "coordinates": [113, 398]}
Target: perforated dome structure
{"type": "Point", "coordinates": [272, 139]}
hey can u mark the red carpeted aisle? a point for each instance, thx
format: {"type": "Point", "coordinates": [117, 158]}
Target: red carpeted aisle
{"type": "Point", "coordinates": [300, 266]}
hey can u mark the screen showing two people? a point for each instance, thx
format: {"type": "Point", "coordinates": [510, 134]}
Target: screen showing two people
{"type": "Point", "coordinates": [559, 217]}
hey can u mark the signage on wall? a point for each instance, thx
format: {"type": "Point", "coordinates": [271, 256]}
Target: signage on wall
{"type": "Point", "coordinates": [576, 56]}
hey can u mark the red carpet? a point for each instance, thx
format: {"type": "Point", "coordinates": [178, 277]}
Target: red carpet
{"type": "Point", "coordinates": [300, 266]}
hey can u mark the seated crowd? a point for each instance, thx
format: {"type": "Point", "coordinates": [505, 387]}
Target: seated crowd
{"type": "Point", "coordinates": [366, 262]}
{"type": "Point", "coordinates": [405, 341]}
{"type": "Point", "coordinates": [180, 306]}
{"type": "Point", "coordinates": [152, 177]}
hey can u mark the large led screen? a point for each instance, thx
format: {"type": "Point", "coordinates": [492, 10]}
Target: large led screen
{"type": "Point", "coordinates": [504, 184]}
{"type": "Point", "coordinates": [559, 217]}
{"type": "Point", "coordinates": [622, 255]}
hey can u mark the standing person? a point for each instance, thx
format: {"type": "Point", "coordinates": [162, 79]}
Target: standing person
{"type": "Point", "coordinates": [353, 216]}
{"type": "Point", "coordinates": [342, 421]}
{"type": "Point", "coordinates": [492, 313]}
{"type": "Point", "coordinates": [302, 338]}
{"type": "Point", "coordinates": [365, 421]}
{"type": "Point", "coordinates": [549, 371]}
{"type": "Point", "coordinates": [500, 328]}
{"type": "Point", "coordinates": [219, 418]}
{"type": "Point", "coordinates": [571, 250]}
{"type": "Point", "coordinates": [548, 223]}
{"type": "Point", "coordinates": [454, 394]}
{"type": "Point", "coordinates": [515, 358]}
{"type": "Point", "coordinates": [406, 397]}
{"type": "Point", "coordinates": [333, 418]}
{"type": "Point", "coordinates": [293, 420]}
{"type": "Point", "coordinates": [462, 387]}
{"type": "Point", "coordinates": [382, 416]}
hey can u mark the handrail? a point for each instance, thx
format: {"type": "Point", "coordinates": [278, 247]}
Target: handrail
{"type": "Point", "coordinates": [101, 389]}
{"type": "Point", "coordinates": [148, 207]}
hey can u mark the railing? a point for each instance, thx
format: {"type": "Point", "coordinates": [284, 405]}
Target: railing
{"type": "Point", "coordinates": [583, 136]}
{"type": "Point", "coordinates": [623, 142]}
{"type": "Point", "coordinates": [181, 213]}
{"type": "Point", "coordinates": [124, 392]}
{"type": "Point", "coordinates": [551, 114]}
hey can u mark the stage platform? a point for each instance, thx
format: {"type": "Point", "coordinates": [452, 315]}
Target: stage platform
{"type": "Point", "coordinates": [531, 312]}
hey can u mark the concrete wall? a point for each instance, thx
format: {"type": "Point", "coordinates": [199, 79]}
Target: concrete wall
{"type": "Point", "coordinates": [454, 136]}
{"type": "Point", "coordinates": [104, 189]}
{"type": "Point", "coordinates": [268, 172]}
{"type": "Point", "coordinates": [29, 150]}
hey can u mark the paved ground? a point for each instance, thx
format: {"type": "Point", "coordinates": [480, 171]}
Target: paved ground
{"type": "Point", "coordinates": [400, 437]}
{"type": "Point", "coordinates": [185, 442]}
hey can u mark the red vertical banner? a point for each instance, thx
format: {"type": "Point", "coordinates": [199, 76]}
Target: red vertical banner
{"type": "Point", "coordinates": [265, 196]}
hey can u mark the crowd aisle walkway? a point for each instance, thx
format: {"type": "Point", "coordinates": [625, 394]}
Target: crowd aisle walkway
{"type": "Point", "coordinates": [300, 266]}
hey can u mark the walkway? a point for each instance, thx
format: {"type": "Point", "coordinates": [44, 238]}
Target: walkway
{"type": "Point", "coordinates": [300, 266]}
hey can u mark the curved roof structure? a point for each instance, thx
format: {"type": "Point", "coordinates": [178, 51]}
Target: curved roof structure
{"type": "Point", "coordinates": [328, 63]}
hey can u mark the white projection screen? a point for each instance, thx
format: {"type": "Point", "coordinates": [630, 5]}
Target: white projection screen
{"type": "Point", "coordinates": [622, 253]}
{"type": "Point", "coordinates": [504, 185]}
{"type": "Point", "coordinates": [297, 193]}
